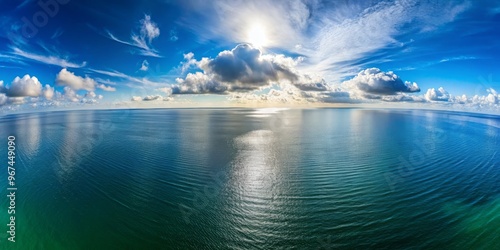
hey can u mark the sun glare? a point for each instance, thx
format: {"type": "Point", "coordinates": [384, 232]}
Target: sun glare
{"type": "Point", "coordinates": [256, 35]}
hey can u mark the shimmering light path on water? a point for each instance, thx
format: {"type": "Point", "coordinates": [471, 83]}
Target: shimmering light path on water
{"type": "Point", "coordinates": [249, 179]}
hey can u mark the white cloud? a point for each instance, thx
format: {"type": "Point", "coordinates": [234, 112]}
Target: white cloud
{"type": "Point", "coordinates": [461, 99]}
{"type": "Point", "coordinates": [16, 100]}
{"type": "Point", "coordinates": [26, 86]}
{"type": "Point", "coordinates": [311, 83]}
{"type": "Point", "coordinates": [136, 98]}
{"type": "Point", "coordinates": [67, 78]}
{"type": "Point", "coordinates": [457, 58]}
{"type": "Point", "coordinates": [374, 82]}
{"type": "Point", "coordinates": [403, 98]}
{"type": "Point", "coordinates": [173, 35]}
{"type": "Point", "coordinates": [51, 60]}
{"type": "Point", "coordinates": [106, 88]}
{"type": "Point", "coordinates": [149, 30]}
{"type": "Point", "coordinates": [48, 92]}
{"type": "Point", "coordinates": [198, 83]}
{"type": "Point", "coordinates": [189, 61]}
{"type": "Point", "coordinates": [153, 98]}
{"type": "Point", "coordinates": [245, 68]}
{"type": "Point", "coordinates": [242, 69]}
{"type": "Point", "coordinates": [128, 78]}
{"type": "Point", "coordinates": [167, 97]}
{"type": "Point", "coordinates": [90, 94]}
{"type": "Point", "coordinates": [334, 96]}
{"type": "Point", "coordinates": [144, 66]}
{"type": "Point", "coordinates": [3, 99]}
{"type": "Point", "coordinates": [492, 98]}
{"type": "Point", "coordinates": [287, 94]}
{"type": "Point", "coordinates": [437, 95]}
{"type": "Point", "coordinates": [166, 90]}
{"type": "Point", "coordinates": [71, 95]}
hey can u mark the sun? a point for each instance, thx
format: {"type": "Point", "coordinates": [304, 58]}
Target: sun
{"type": "Point", "coordinates": [256, 35]}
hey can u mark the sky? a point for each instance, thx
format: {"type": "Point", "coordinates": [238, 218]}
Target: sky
{"type": "Point", "coordinates": [428, 53]}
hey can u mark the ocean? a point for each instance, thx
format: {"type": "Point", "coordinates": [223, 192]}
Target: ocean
{"type": "Point", "coordinates": [252, 179]}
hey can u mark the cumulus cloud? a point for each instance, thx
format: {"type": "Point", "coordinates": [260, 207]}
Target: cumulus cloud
{"type": "Point", "coordinates": [493, 96]}
{"type": "Point", "coordinates": [69, 79]}
{"type": "Point", "coordinates": [403, 98]}
{"type": "Point", "coordinates": [437, 95]}
{"type": "Point", "coordinates": [334, 96]}
{"type": "Point", "coordinates": [106, 88]}
{"type": "Point", "coordinates": [491, 99]}
{"type": "Point", "coordinates": [90, 97]}
{"type": "Point", "coordinates": [16, 100]}
{"type": "Point", "coordinates": [71, 95]}
{"type": "Point", "coordinates": [461, 99]}
{"type": "Point", "coordinates": [26, 86]}
{"type": "Point", "coordinates": [198, 83]}
{"type": "Point", "coordinates": [244, 69]}
{"type": "Point", "coordinates": [153, 98]}
{"type": "Point", "coordinates": [3, 99]}
{"type": "Point", "coordinates": [150, 98]}
{"type": "Point", "coordinates": [311, 83]}
{"type": "Point", "coordinates": [288, 94]}
{"type": "Point", "coordinates": [373, 81]}
{"type": "Point", "coordinates": [136, 98]}
{"type": "Point", "coordinates": [90, 94]}
{"type": "Point", "coordinates": [167, 91]}
{"type": "Point", "coordinates": [48, 92]}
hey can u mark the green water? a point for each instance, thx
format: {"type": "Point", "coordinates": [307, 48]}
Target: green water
{"type": "Point", "coordinates": [253, 179]}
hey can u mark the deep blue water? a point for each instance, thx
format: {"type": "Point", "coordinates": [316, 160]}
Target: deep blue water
{"type": "Point", "coordinates": [253, 179]}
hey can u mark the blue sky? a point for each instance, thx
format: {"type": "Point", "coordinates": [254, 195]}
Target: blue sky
{"type": "Point", "coordinates": [288, 52]}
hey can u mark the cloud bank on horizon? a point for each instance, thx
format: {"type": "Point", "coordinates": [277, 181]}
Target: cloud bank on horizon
{"type": "Point", "coordinates": [60, 53]}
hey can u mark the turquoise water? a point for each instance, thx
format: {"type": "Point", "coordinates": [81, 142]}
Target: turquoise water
{"type": "Point", "coordinates": [253, 179]}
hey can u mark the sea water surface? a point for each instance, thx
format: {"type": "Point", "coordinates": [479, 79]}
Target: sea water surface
{"type": "Point", "coordinates": [253, 179]}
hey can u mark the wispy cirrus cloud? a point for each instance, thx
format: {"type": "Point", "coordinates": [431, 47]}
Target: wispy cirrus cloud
{"type": "Point", "coordinates": [431, 63]}
{"type": "Point", "coordinates": [457, 58]}
{"type": "Point", "coordinates": [336, 38]}
{"type": "Point", "coordinates": [24, 3]}
{"type": "Point", "coordinates": [46, 59]}
{"type": "Point", "coordinates": [148, 31]}
{"type": "Point", "coordinates": [142, 81]}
